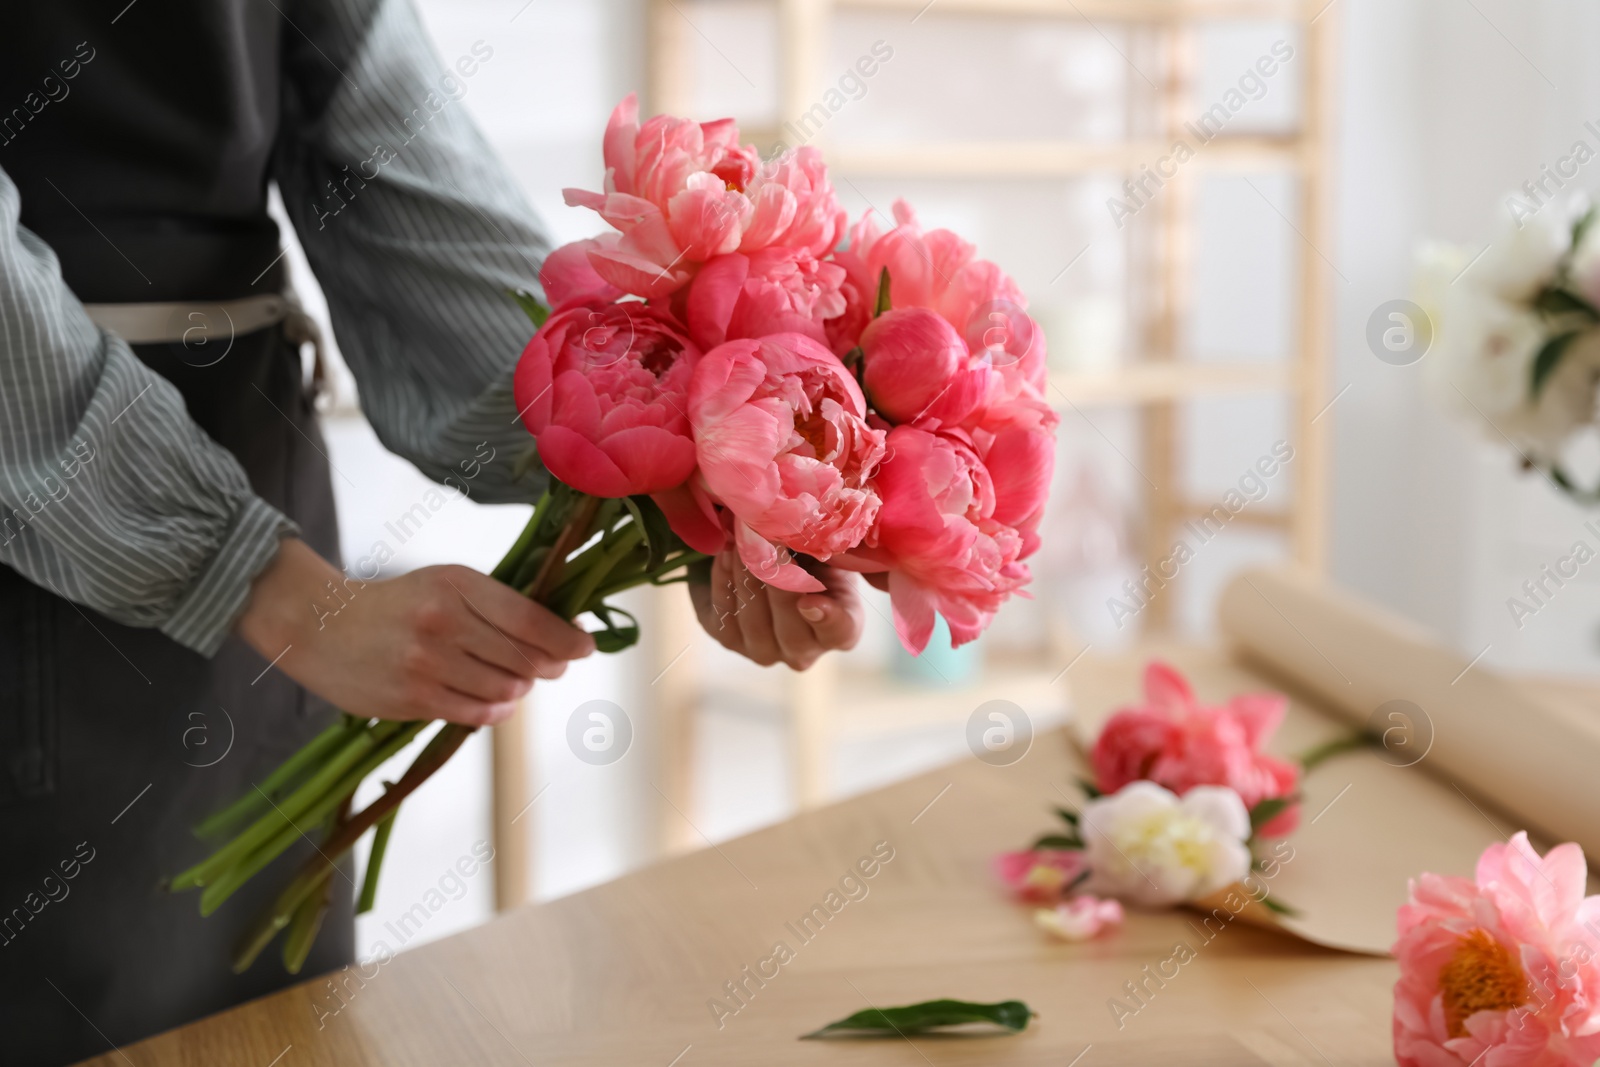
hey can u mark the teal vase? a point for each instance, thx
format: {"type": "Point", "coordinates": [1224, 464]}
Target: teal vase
{"type": "Point", "coordinates": [939, 665]}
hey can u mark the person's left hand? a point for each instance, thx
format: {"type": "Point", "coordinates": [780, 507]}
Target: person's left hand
{"type": "Point", "coordinates": [770, 625]}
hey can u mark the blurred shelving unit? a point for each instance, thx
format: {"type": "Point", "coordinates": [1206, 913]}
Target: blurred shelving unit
{"type": "Point", "coordinates": [1156, 379]}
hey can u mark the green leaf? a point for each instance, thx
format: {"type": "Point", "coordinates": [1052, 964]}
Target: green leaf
{"type": "Point", "coordinates": [1553, 300]}
{"type": "Point", "coordinates": [659, 539]}
{"type": "Point", "coordinates": [1010, 1016]}
{"type": "Point", "coordinates": [1059, 842]}
{"type": "Point", "coordinates": [1267, 810]}
{"type": "Point", "coordinates": [1318, 754]}
{"type": "Point", "coordinates": [1068, 817]}
{"type": "Point", "coordinates": [883, 293]}
{"type": "Point", "coordinates": [1089, 789]}
{"type": "Point", "coordinates": [530, 306]}
{"type": "Point", "coordinates": [1544, 364]}
{"type": "Point", "coordinates": [1584, 496]}
{"type": "Point", "coordinates": [1580, 226]}
{"type": "Point", "coordinates": [1277, 907]}
{"type": "Point", "coordinates": [615, 637]}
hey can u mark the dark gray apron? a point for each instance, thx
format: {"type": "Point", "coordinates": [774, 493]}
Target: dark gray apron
{"type": "Point", "coordinates": [148, 176]}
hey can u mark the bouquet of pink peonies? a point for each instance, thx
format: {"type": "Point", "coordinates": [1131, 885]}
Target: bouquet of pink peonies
{"type": "Point", "coordinates": [733, 366]}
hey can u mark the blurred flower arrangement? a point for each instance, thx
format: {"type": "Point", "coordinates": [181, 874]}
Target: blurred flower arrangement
{"type": "Point", "coordinates": [1182, 801]}
{"type": "Point", "coordinates": [1502, 968]}
{"type": "Point", "coordinates": [719, 373]}
{"type": "Point", "coordinates": [1516, 335]}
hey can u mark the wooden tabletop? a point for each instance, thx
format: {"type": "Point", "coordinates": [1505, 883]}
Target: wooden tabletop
{"type": "Point", "coordinates": [632, 972]}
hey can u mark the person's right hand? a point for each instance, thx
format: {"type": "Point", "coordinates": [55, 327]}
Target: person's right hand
{"type": "Point", "coordinates": [436, 643]}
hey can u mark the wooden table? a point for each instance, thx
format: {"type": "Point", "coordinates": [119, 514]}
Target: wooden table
{"type": "Point", "coordinates": [627, 973]}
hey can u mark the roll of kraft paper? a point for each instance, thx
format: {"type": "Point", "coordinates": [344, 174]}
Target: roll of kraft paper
{"type": "Point", "coordinates": [1533, 757]}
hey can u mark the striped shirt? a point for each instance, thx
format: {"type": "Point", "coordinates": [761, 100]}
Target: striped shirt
{"type": "Point", "coordinates": [112, 497]}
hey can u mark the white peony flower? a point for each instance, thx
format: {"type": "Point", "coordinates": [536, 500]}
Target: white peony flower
{"type": "Point", "coordinates": [1483, 353]}
{"type": "Point", "coordinates": [1439, 264]}
{"type": "Point", "coordinates": [1523, 259]}
{"type": "Point", "coordinates": [1566, 403]}
{"type": "Point", "coordinates": [1147, 846]}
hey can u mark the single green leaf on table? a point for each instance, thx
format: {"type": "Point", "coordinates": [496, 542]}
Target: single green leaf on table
{"type": "Point", "coordinates": [1277, 906]}
{"type": "Point", "coordinates": [1011, 1016]}
{"type": "Point", "coordinates": [530, 306]}
{"type": "Point", "coordinates": [1547, 359]}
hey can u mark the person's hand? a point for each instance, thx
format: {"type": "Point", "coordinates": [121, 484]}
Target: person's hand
{"type": "Point", "coordinates": [436, 643]}
{"type": "Point", "coordinates": [770, 625]}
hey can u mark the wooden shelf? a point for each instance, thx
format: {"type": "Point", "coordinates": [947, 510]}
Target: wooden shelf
{"type": "Point", "coordinates": [1145, 383]}
{"type": "Point", "coordinates": [1050, 159]}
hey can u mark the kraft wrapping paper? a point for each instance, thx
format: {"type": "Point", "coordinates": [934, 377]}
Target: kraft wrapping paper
{"type": "Point", "coordinates": [1472, 756]}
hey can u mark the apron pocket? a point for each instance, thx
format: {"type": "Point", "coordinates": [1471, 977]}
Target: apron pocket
{"type": "Point", "coordinates": [28, 723]}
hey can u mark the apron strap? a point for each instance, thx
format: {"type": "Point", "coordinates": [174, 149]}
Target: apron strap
{"type": "Point", "coordinates": [194, 323]}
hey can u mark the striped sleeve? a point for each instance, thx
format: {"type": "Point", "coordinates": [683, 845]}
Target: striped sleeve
{"type": "Point", "coordinates": [415, 231]}
{"type": "Point", "coordinates": [110, 495]}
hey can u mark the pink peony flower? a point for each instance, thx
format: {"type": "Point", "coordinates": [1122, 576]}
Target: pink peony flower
{"type": "Point", "coordinates": [938, 270]}
{"type": "Point", "coordinates": [1179, 743]}
{"type": "Point", "coordinates": [684, 192]}
{"type": "Point", "coordinates": [1503, 970]}
{"type": "Point", "coordinates": [916, 369]}
{"type": "Point", "coordinates": [1080, 919]}
{"type": "Point", "coordinates": [938, 537]}
{"type": "Point", "coordinates": [783, 442]}
{"type": "Point", "coordinates": [569, 278]}
{"type": "Point", "coordinates": [775, 290]}
{"type": "Point", "coordinates": [1039, 875]}
{"type": "Point", "coordinates": [604, 390]}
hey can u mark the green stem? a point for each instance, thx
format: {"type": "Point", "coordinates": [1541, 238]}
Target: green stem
{"type": "Point", "coordinates": [597, 572]}
{"type": "Point", "coordinates": [625, 580]}
{"type": "Point", "coordinates": [573, 534]}
{"type": "Point", "coordinates": [307, 921]}
{"type": "Point", "coordinates": [305, 926]}
{"type": "Point", "coordinates": [380, 846]}
{"type": "Point", "coordinates": [250, 803]}
{"type": "Point", "coordinates": [1318, 753]}
{"type": "Point", "coordinates": [507, 567]}
{"type": "Point", "coordinates": [247, 866]}
{"type": "Point", "coordinates": [283, 814]}
{"type": "Point", "coordinates": [433, 756]}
